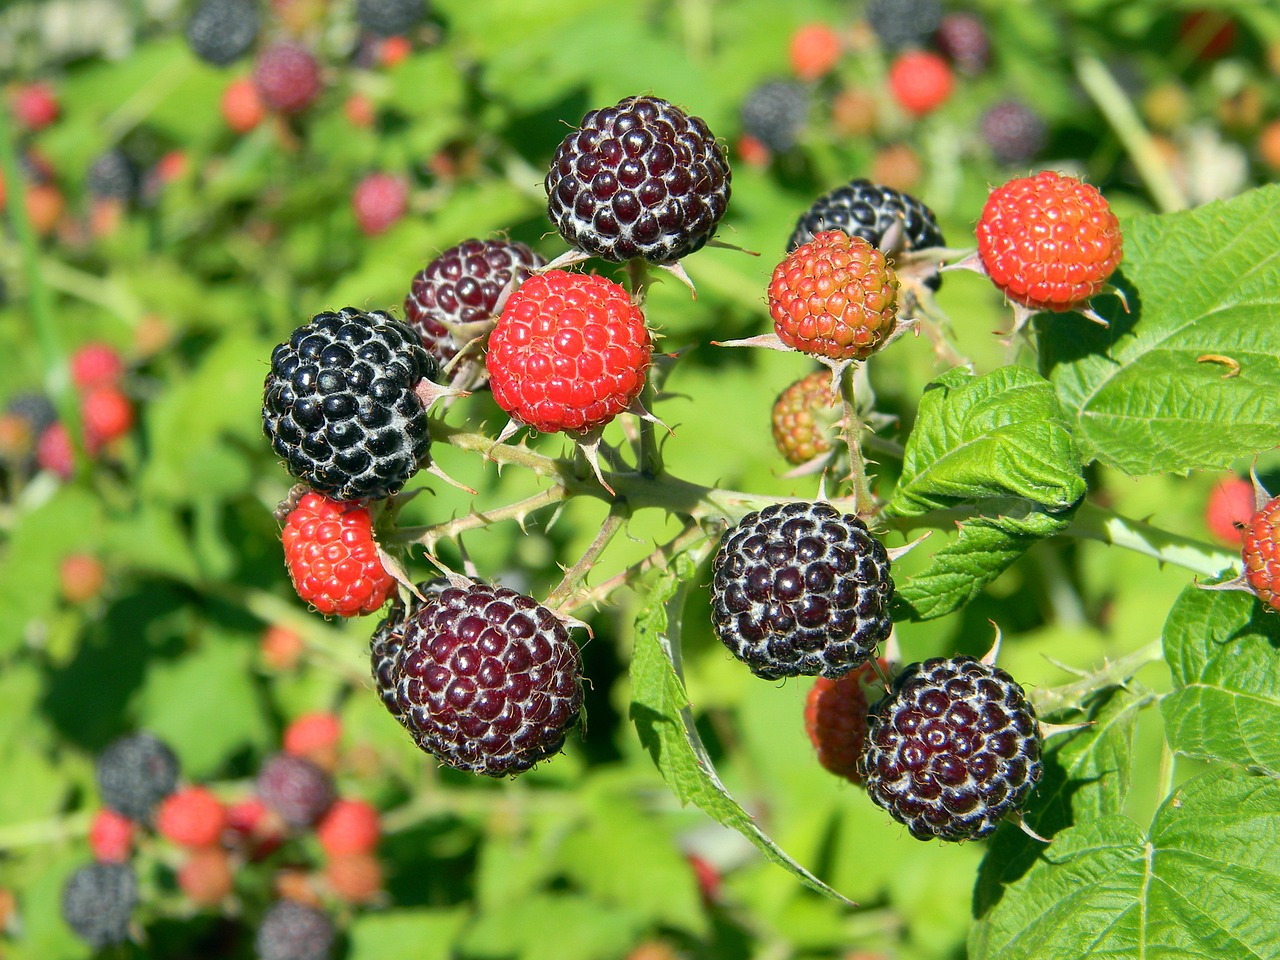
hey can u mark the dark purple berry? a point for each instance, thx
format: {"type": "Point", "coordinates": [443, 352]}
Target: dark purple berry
{"type": "Point", "coordinates": [294, 931]}
{"type": "Point", "coordinates": [113, 176]}
{"type": "Point", "coordinates": [639, 179]}
{"type": "Point", "coordinates": [295, 788]}
{"type": "Point", "coordinates": [775, 113]}
{"type": "Point", "coordinates": [903, 23]}
{"type": "Point", "coordinates": [390, 18]}
{"type": "Point", "coordinates": [222, 31]}
{"type": "Point", "coordinates": [1014, 132]}
{"type": "Point", "coordinates": [487, 680]}
{"type": "Point", "coordinates": [134, 773]}
{"type": "Point", "coordinates": [800, 589]}
{"type": "Point", "coordinates": [952, 749]}
{"type": "Point", "coordinates": [384, 645]}
{"type": "Point", "coordinates": [963, 38]}
{"type": "Point", "coordinates": [340, 407]}
{"type": "Point", "coordinates": [98, 902]}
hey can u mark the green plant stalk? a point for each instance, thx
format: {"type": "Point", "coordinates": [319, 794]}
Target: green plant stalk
{"type": "Point", "coordinates": [576, 575]}
{"type": "Point", "coordinates": [51, 830]}
{"type": "Point", "coordinates": [1071, 696]}
{"type": "Point", "coordinates": [1092, 522]}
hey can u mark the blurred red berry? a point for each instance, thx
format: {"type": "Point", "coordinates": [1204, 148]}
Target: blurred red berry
{"type": "Point", "coordinates": [314, 736]}
{"type": "Point", "coordinates": [707, 875]}
{"type": "Point", "coordinates": [192, 817]}
{"type": "Point", "coordinates": [206, 876]}
{"type": "Point", "coordinates": [1209, 34]}
{"type": "Point", "coordinates": [920, 81]}
{"type": "Point", "coordinates": [81, 577]}
{"type": "Point", "coordinates": [359, 111]}
{"type": "Point", "coordinates": [354, 878]}
{"type": "Point", "coordinates": [1229, 509]}
{"type": "Point", "coordinates": [45, 206]}
{"type": "Point", "coordinates": [171, 166]}
{"type": "Point", "coordinates": [379, 201]}
{"type": "Point", "coordinates": [815, 50]}
{"type": "Point", "coordinates": [55, 453]}
{"type": "Point", "coordinates": [349, 827]}
{"type": "Point", "coordinates": [753, 152]}
{"type": "Point", "coordinates": [1269, 146]}
{"type": "Point", "coordinates": [394, 50]}
{"type": "Point", "coordinates": [96, 365]}
{"type": "Point", "coordinates": [287, 77]}
{"type": "Point", "coordinates": [242, 108]}
{"type": "Point", "coordinates": [107, 415]}
{"type": "Point", "coordinates": [111, 836]}
{"type": "Point", "coordinates": [35, 106]}
{"type": "Point", "coordinates": [280, 647]}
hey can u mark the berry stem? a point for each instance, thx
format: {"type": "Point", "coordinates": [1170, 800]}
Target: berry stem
{"type": "Point", "coordinates": [851, 428]}
{"type": "Point", "coordinates": [431, 534]}
{"type": "Point", "coordinates": [1072, 696]}
{"type": "Point", "coordinates": [57, 829]}
{"type": "Point", "coordinates": [648, 453]}
{"type": "Point", "coordinates": [1093, 522]}
{"type": "Point", "coordinates": [576, 575]}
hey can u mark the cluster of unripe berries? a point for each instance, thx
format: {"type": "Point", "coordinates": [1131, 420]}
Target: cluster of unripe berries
{"type": "Point", "coordinates": [152, 823]}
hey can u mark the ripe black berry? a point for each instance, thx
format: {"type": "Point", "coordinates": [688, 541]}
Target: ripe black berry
{"type": "Point", "coordinates": [98, 901]}
{"type": "Point", "coordinates": [339, 404]}
{"type": "Point", "coordinates": [801, 589]}
{"type": "Point", "coordinates": [639, 179]}
{"type": "Point", "coordinates": [864, 209]}
{"type": "Point", "coordinates": [1014, 132]}
{"type": "Point", "coordinates": [384, 645]}
{"type": "Point", "coordinates": [774, 112]}
{"type": "Point", "coordinates": [222, 31]}
{"type": "Point", "coordinates": [294, 931]}
{"type": "Point", "coordinates": [135, 773]}
{"type": "Point", "coordinates": [295, 788]}
{"type": "Point", "coordinates": [487, 680]}
{"type": "Point", "coordinates": [951, 749]}
{"type": "Point", "coordinates": [390, 18]}
{"type": "Point", "coordinates": [903, 23]}
{"type": "Point", "coordinates": [113, 176]}
{"type": "Point", "coordinates": [462, 285]}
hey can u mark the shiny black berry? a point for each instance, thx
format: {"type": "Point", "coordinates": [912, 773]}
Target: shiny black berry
{"type": "Point", "coordinates": [903, 23]}
{"type": "Point", "coordinates": [340, 405]}
{"type": "Point", "coordinates": [952, 749]}
{"type": "Point", "coordinates": [864, 209]}
{"type": "Point", "coordinates": [98, 902]}
{"type": "Point", "coordinates": [1013, 131]}
{"type": "Point", "coordinates": [487, 680]}
{"type": "Point", "coordinates": [295, 788]}
{"type": "Point", "coordinates": [294, 931]}
{"type": "Point", "coordinates": [134, 773]}
{"type": "Point", "coordinates": [463, 285]}
{"type": "Point", "coordinates": [800, 589]}
{"type": "Point", "coordinates": [222, 31]}
{"type": "Point", "coordinates": [775, 113]}
{"type": "Point", "coordinates": [639, 179]}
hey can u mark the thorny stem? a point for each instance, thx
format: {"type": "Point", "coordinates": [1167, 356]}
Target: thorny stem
{"type": "Point", "coordinates": [657, 560]}
{"type": "Point", "coordinates": [1070, 696]}
{"type": "Point", "coordinates": [432, 534]}
{"type": "Point", "coordinates": [576, 575]}
{"type": "Point", "coordinates": [648, 453]}
{"type": "Point", "coordinates": [851, 428]}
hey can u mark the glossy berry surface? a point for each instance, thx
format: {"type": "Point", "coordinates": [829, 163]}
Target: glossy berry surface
{"type": "Point", "coordinates": [920, 81]}
{"type": "Point", "coordinates": [487, 680]}
{"type": "Point", "coordinates": [287, 77]}
{"type": "Point", "coordinates": [1048, 242]}
{"type": "Point", "coordinates": [222, 31]}
{"type": "Point", "coordinates": [800, 589]}
{"type": "Point", "coordinates": [803, 417]}
{"type": "Point", "coordinates": [134, 773]}
{"type": "Point", "coordinates": [570, 352]}
{"type": "Point", "coordinates": [868, 210]}
{"type": "Point", "coordinates": [463, 285]}
{"type": "Point", "coordinates": [835, 718]}
{"type": "Point", "coordinates": [1261, 554]}
{"type": "Point", "coordinates": [638, 179]}
{"type": "Point", "coordinates": [952, 749]}
{"type": "Point", "coordinates": [834, 297]}
{"type": "Point", "coordinates": [294, 931]}
{"type": "Point", "coordinates": [295, 788]}
{"type": "Point", "coordinates": [774, 113]}
{"type": "Point", "coordinates": [98, 902]}
{"type": "Point", "coordinates": [339, 404]}
{"type": "Point", "coordinates": [333, 559]}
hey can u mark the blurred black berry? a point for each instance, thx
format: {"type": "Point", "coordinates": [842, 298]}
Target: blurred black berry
{"type": "Point", "coordinates": [1013, 131]}
{"type": "Point", "coordinates": [134, 773]}
{"type": "Point", "coordinates": [903, 23]}
{"type": "Point", "coordinates": [775, 113]}
{"type": "Point", "coordinates": [294, 931]}
{"type": "Point", "coordinates": [390, 18]}
{"type": "Point", "coordinates": [962, 38]}
{"type": "Point", "coordinates": [113, 176]}
{"type": "Point", "coordinates": [98, 902]}
{"type": "Point", "coordinates": [295, 788]}
{"type": "Point", "coordinates": [222, 31]}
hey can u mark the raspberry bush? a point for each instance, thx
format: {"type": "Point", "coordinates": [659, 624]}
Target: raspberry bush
{"type": "Point", "coordinates": [493, 466]}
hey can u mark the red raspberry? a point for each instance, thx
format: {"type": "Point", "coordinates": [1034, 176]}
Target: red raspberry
{"type": "Point", "coordinates": [1048, 242]}
{"type": "Point", "coordinates": [752, 152]}
{"type": "Point", "coordinates": [192, 817]}
{"type": "Point", "coordinates": [379, 201]}
{"type": "Point", "coordinates": [287, 77]}
{"type": "Point", "coordinates": [55, 453]}
{"type": "Point", "coordinates": [280, 648]}
{"type": "Point", "coordinates": [350, 827]}
{"type": "Point", "coordinates": [1229, 509]}
{"type": "Point", "coordinates": [81, 577]}
{"type": "Point", "coordinates": [206, 877]}
{"type": "Point", "coordinates": [834, 297]}
{"type": "Point", "coordinates": [570, 352]}
{"type": "Point", "coordinates": [359, 111]}
{"type": "Point", "coordinates": [393, 51]}
{"type": "Point", "coordinates": [835, 718]}
{"type": "Point", "coordinates": [333, 558]}
{"type": "Point", "coordinates": [815, 50]}
{"type": "Point", "coordinates": [920, 81]}
{"type": "Point", "coordinates": [251, 827]}
{"type": "Point", "coordinates": [107, 415]}
{"type": "Point", "coordinates": [354, 878]}
{"type": "Point", "coordinates": [35, 106]}
{"type": "Point", "coordinates": [1261, 554]}
{"type": "Point", "coordinates": [242, 108]}
{"type": "Point", "coordinates": [314, 736]}
{"type": "Point", "coordinates": [804, 417]}
{"type": "Point", "coordinates": [111, 836]}
{"type": "Point", "coordinates": [45, 206]}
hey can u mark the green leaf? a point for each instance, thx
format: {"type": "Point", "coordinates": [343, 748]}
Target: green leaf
{"type": "Point", "coordinates": [664, 720]}
{"type": "Point", "coordinates": [551, 927]}
{"type": "Point", "coordinates": [1202, 883]}
{"type": "Point", "coordinates": [1205, 282]}
{"type": "Point", "coordinates": [1221, 649]}
{"type": "Point", "coordinates": [999, 447]}
{"type": "Point", "coordinates": [375, 936]}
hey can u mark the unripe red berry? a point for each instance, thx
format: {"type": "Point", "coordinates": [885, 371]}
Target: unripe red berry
{"type": "Point", "coordinates": [192, 817]}
{"type": "Point", "coordinates": [111, 836]}
{"type": "Point", "coordinates": [920, 81]}
{"type": "Point", "coordinates": [349, 827]}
